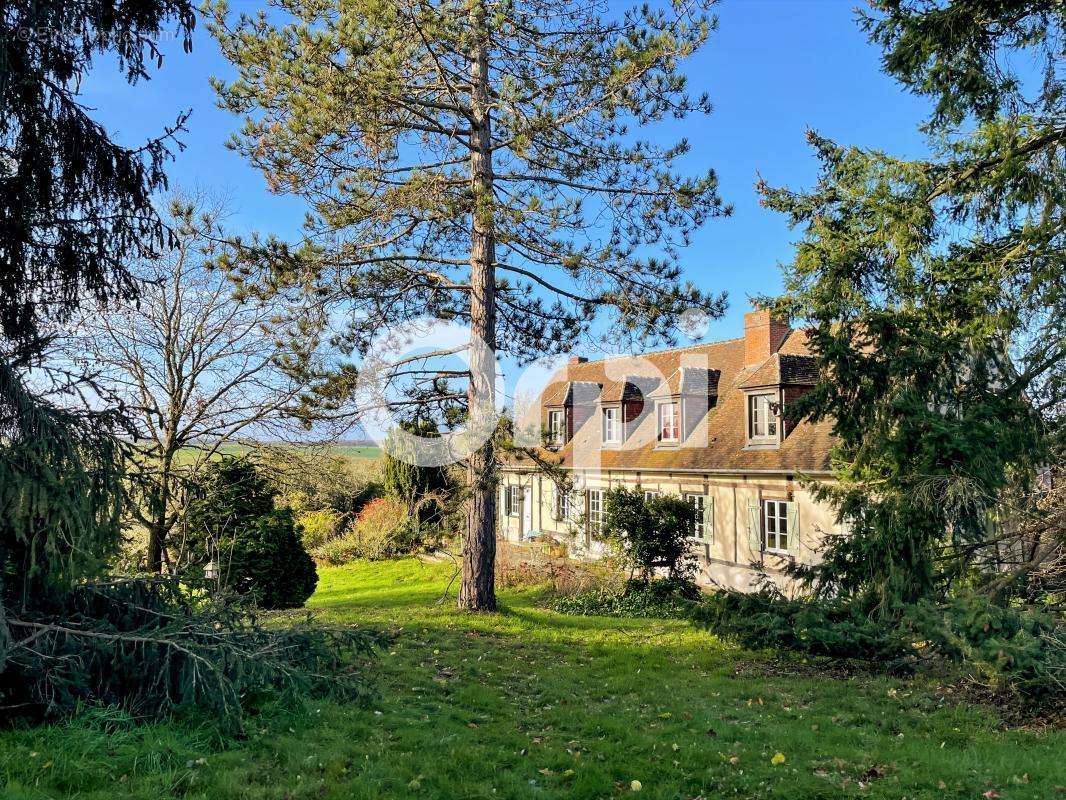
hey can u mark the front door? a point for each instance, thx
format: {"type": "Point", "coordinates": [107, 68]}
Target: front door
{"type": "Point", "coordinates": [527, 510]}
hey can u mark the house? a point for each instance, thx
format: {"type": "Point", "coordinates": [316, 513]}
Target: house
{"type": "Point", "coordinates": [703, 422]}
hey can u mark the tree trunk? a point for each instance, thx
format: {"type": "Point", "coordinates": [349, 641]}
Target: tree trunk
{"type": "Point", "coordinates": [477, 592]}
{"type": "Point", "coordinates": [157, 530]}
{"type": "Point", "coordinates": [156, 536]}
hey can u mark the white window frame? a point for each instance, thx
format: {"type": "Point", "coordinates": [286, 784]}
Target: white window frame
{"type": "Point", "coordinates": [774, 518]}
{"type": "Point", "coordinates": [557, 427]}
{"type": "Point", "coordinates": [763, 423]}
{"type": "Point", "coordinates": [611, 427]}
{"type": "Point", "coordinates": [512, 500]}
{"type": "Point", "coordinates": [595, 517]}
{"type": "Point", "coordinates": [699, 524]}
{"type": "Point", "coordinates": [562, 506]}
{"type": "Point", "coordinates": [675, 419]}
{"type": "Point", "coordinates": [650, 494]}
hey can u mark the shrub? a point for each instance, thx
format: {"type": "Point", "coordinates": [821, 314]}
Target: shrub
{"type": "Point", "coordinates": [256, 547]}
{"type": "Point", "coordinates": [424, 490]}
{"type": "Point", "coordinates": [764, 619]}
{"type": "Point", "coordinates": [650, 535]}
{"type": "Point", "coordinates": [549, 566]}
{"type": "Point", "coordinates": [382, 530]}
{"type": "Point", "coordinates": [383, 513]}
{"type": "Point", "coordinates": [664, 597]}
{"type": "Point", "coordinates": [1019, 650]}
{"type": "Point", "coordinates": [339, 550]}
{"type": "Point", "coordinates": [318, 527]}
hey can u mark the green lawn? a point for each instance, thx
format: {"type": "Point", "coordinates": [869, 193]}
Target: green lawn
{"type": "Point", "coordinates": [529, 704]}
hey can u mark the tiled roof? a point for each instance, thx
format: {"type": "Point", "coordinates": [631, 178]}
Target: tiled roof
{"type": "Point", "coordinates": [783, 369]}
{"type": "Point", "coordinates": [688, 381]}
{"type": "Point", "coordinates": [798, 370]}
{"type": "Point", "coordinates": [717, 440]}
{"type": "Point", "coordinates": [629, 387]}
{"type": "Point", "coordinates": [563, 392]}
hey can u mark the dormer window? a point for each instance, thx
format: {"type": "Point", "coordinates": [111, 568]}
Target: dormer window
{"type": "Point", "coordinates": [612, 425]}
{"type": "Point", "coordinates": [556, 428]}
{"type": "Point", "coordinates": [762, 418]}
{"type": "Point", "coordinates": [669, 422]}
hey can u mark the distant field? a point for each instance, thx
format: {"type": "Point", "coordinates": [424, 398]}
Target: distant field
{"type": "Point", "coordinates": [357, 450]}
{"type": "Point", "coordinates": [349, 451]}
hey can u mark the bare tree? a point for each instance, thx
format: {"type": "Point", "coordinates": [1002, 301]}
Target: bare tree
{"type": "Point", "coordinates": [195, 363]}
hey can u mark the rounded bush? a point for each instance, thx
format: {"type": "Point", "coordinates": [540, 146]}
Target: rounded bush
{"type": "Point", "coordinates": [256, 547]}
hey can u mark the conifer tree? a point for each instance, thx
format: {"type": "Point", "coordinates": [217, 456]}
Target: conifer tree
{"type": "Point", "coordinates": [478, 161]}
{"type": "Point", "coordinates": [422, 489]}
{"type": "Point", "coordinates": [75, 206]}
{"type": "Point", "coordinates": [935, 291]}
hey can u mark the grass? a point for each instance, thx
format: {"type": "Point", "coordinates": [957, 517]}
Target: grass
{"type": "Point", "coordinates": [357, 450]}
{"type": "Point", "coordinates": [526, 703]}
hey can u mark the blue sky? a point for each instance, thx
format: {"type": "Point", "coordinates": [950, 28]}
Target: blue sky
{"type": "Point", "coordinates": [772, 69]}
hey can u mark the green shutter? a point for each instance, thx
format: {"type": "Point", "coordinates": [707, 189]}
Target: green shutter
{"type": "Point", "coordinates": [754, 532]}
{"type": "Point", "coordinates": [793, 530]}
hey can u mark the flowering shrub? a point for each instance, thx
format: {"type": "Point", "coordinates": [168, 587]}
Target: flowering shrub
{"type": "Point", "coordinates": [382, 529]}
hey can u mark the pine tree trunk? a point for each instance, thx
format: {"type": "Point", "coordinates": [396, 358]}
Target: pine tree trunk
{"type": "Point", "coordinates": [477, 592]}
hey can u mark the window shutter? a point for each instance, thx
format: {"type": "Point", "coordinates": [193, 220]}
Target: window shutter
{"type": "Point", "coordinates": [708, 519]}
{"type": "Point", "coordinates": [793, 530]}
{"type": "Point", "coordinates": [754, 532]}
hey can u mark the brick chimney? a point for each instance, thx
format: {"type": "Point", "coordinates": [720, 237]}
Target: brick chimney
{"type": "Point", "coordinates": [578, 360]}
{"type": "Point", "coordinates": [763, 336]}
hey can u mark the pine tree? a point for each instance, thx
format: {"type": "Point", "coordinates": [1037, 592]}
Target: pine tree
{"type": "Point", "coordinates": [473, 160]}
{"type": "Point", "coordinates": [935, 291]}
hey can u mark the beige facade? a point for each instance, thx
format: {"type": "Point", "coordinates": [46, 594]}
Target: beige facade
{"type": "Point", "coordinates": [735, 536]}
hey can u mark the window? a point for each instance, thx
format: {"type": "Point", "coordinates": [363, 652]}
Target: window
{"type": "Point", "coordinates": [669, 422]}
{"type": "Point", "coordinates": [563, 509]}
{"type": "Point", "coordinates": [556, 427]}
{"type": "Point", "coordinates": [701, 526]}
{"type": "Point", "coordinates": [611, 429]}
{"type": "Point", "coordinates": [762, 416]}
{"type": "Point", "coordinates": [650, 495]}
{"type": "Point", "coordinates": [595, 500]}
{"type": "Point", "coordinates": [775, 525]}
{"type": "Point", "coordinates": [512, 500]}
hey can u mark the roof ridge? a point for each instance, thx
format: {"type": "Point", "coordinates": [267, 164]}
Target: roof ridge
{"type": "Point", "coordinates": [665, 350]}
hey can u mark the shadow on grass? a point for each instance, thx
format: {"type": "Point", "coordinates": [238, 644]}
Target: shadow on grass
{"type": "Point", "coordinates": [529, 704]}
